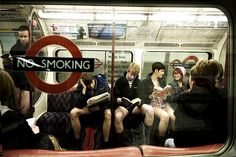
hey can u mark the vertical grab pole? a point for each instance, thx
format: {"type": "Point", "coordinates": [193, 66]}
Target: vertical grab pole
{"type": "Point", "coordinates": [112, 59]}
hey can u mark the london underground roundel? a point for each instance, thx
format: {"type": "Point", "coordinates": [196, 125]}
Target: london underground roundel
{"type": "Point", "coordinates": [33, 77]}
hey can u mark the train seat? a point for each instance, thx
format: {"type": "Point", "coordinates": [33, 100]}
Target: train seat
{"type": "Point", "coordinates": [134, 130]}
{"type": "Point", "coordinates": [149, 150]}
{"type": "Point", "coordinates": [56, 121]}
{"type": "Point", "coordinates": [115, 152]}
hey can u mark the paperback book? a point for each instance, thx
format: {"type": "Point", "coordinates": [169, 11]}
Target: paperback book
{"type": "Point", "coordinates": [98, 99]}
{"type": "Point", "coordinates": [133, 102]}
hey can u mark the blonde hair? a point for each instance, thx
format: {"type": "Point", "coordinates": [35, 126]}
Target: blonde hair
{"type": "Point", "coordinates": [204, 73]}
{"type": "Point", "coordinates": [208, 68]}
{"type": "Point", "coordinates": [135, 68]}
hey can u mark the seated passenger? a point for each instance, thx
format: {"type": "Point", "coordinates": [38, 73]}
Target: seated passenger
{"type": "Point", "coordinates": [220, 76]}
{"type": "Point", "coordinates": [128, 86]}
{"type": "Point", "coordinates": [178, 85]}
{"type": "Point", "coordinates": [88, 87]}
{"type": "Point", "coordinates": [162, 109]}
{"type": "Point", "coordinates": [201, 114]}
{"type": "Point", "coordinates": [16, 132]}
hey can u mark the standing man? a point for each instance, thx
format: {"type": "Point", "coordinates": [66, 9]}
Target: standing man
{"type": "Point", "coordinates": [23, 87]}
{"type": "Point", "coordinates": [128, 86]}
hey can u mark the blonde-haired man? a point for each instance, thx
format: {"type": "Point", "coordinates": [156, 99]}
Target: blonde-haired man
{"type": "Point", "coordinates": [128, 86]}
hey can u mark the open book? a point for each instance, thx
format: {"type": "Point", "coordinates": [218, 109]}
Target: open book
{"type": "Point", "coordinates": [128, 102]}
{"type": "Point", "coordinates": [31, 121]}
{"type": "Point", "coordinates": [98, 99]}
{"type": "Point", "coordinates": [163, 92]}
{"type": "Point", "coordinates": [167, 90]}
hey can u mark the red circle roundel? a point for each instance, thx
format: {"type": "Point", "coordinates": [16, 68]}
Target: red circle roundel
{"type": "Point", "coordinates": [33, 77]}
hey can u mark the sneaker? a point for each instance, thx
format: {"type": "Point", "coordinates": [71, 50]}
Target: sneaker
{"type": "Point", "coordinates": [170, 143]}
{"type": "Point", "coordinates": [123, 140]}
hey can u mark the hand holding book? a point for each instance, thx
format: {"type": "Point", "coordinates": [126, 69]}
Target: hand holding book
{"type": "Point", "coordinates": [98, 99]}
{"type": "Point", "coordinates": [162, 92]}
{"type": "Point", "coordinates": [134, 102]}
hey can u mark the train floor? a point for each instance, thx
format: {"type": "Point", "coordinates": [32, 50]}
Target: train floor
{"type": "Point", "coordinates": [135, 134]}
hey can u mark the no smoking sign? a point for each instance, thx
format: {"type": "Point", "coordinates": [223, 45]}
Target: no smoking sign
{"type": "Point", "coordinates": [31, 63]}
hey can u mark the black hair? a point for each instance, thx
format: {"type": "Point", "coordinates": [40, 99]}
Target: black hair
{"type": "Point", "coordinates": [87, 78]}
{"type": "Point", "coordinates": [158, 66]}
{"type": "Point", "coordinates": [23, 28]}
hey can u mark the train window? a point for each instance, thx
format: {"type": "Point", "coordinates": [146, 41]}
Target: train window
{"type": "Point", "coordinates": [8, 39]}
{"type": "Point", "coordinates": [1, 52]}
{"type": "Point", "coordinates": [115, 36]}
{"type": "Point", "coordinates": [171, 59]}
{"type": "Point", "coordinates": [37, 31]}
{"type": "Point", "coordinates": [103, 62]}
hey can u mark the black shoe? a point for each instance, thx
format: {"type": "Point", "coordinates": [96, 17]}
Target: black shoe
{"type": "Point", "coordinates": [74, 144]}
{"type": "Point", "coordinates": [161, 142]}
{"type": "Point", "coordinates": [123, 140]}
{"type": "Point", "coordinates": [104, 145]}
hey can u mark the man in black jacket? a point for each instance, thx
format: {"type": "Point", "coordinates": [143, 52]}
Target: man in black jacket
{"type": "Point", "coordinates": [21, 82]}
{"type": "Point", "coordinates": [129, 86]}
{"type": "Point", "coordinates": [201, 114]}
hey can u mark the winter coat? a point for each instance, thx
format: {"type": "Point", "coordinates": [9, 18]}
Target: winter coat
{"type": "Point", "coordinates": [201, 117]}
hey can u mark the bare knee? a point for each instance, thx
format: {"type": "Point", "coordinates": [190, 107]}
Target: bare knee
{"type": "Point", "coordinates": [149, 110]}
{"type": "Point", "coordinates": [118, 116]}
{"type": "Point", "coordinates": [107, 114]}
{"type": "Point", "coordinates": [172, 117]}
{"type": "Point", "coordinates": [164, 117]}
{"type": "Point", "coordinates": [74, 113]}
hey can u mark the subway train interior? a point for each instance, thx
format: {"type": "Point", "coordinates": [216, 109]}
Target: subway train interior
{"type": "Point", "coordinates": [69, 38]}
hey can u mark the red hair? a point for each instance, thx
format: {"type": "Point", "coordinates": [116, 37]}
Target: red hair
{"type": "Point", "coordinates": [179, 71]}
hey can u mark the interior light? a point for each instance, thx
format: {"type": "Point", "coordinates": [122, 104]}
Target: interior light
{"type": "Point", "coordinates": [103, 16]}
{"type": "Point", "coordinates": [212, 18]}
{"type": "Point", "coordinates": [66, 15]}
{"type": "Point", "coordinates": [169, 17]}
{"type": "Point", "coordinates": [172, 17]}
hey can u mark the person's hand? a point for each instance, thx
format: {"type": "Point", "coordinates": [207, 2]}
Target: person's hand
{"type": "Point", "coordinates": [154, 94]}
{"type": "Point", "coordinates": [119, 100]}
{"type": "Point", "coordinates": [72, 89]}
{"type": "Point", "coordinates": [82, 83]}
{"type": "Point", "coordinates": [168, 90]}
{"type": "Point", "coordinates": [35, 129]}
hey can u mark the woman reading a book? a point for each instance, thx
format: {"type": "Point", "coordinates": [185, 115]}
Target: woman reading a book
{"type": "Point", "coordinates": [155, 94]}
{"type": "Point", "coordinates": [126, 96]}
{"type": "Point", "coordinates": [90, 89]}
